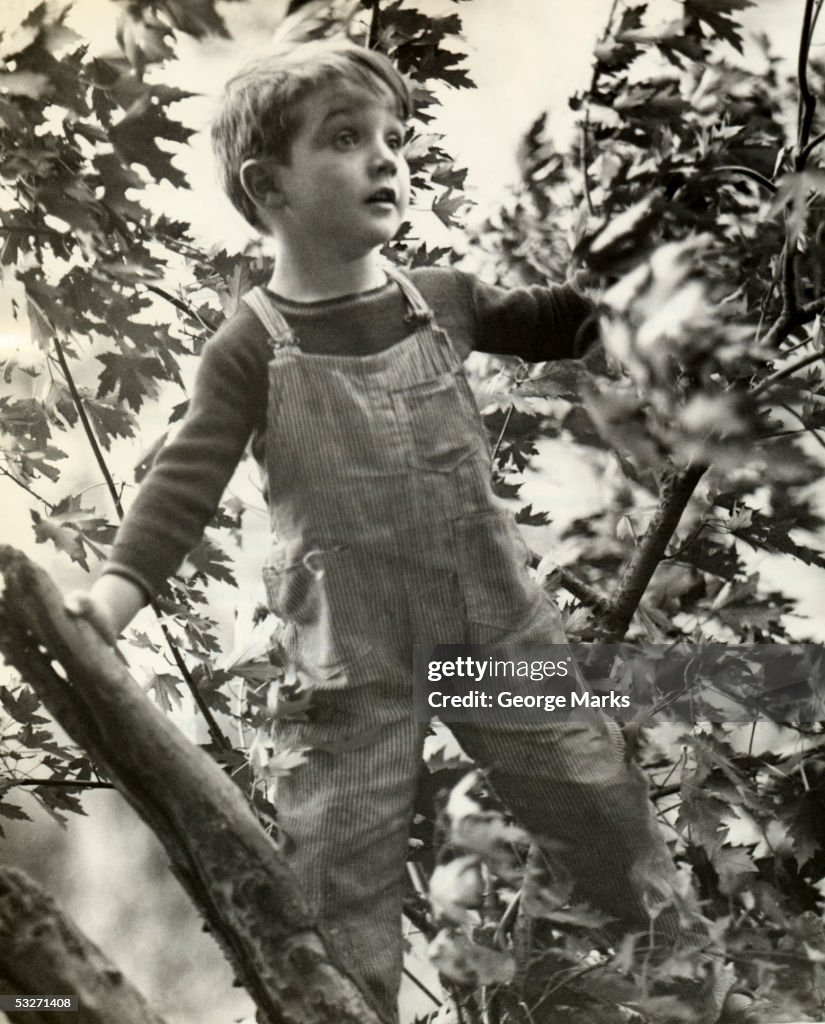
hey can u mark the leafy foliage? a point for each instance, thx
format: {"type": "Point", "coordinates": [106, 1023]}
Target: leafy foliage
{"type": "Point", "coordinates": [691, 207]}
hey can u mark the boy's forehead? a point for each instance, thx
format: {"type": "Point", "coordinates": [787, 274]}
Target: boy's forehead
{"type": "Point", "coordinates": [343, 96]}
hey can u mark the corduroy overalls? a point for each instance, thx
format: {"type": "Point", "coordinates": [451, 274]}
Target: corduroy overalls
{"type": "Point", "coordinates": [385, 534]}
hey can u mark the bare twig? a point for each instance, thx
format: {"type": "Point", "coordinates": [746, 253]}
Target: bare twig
{"type": "Point", "coordinates": [676, 493]}
{"type": "Point", "coordinates": [684, 546]}
{"type": "Point", "coordinates": [747, 172]}
{"type": "Point", "coordinates": [87, 426]}
{"type": "Point", "coordinates": [786, 371]}
{"type": "Point", "coordinates": [501, 434]}
{"type": "Point", "coordinates": [807, 100]}
{"type": "Point", "coordinates": [49, 505]}
{"type": "Point", "coordinates": [810, 430]}
{"type": "Point", "coordinates": [58, 784]}
{"type": "Point", "coordinates": [807, 105]}
{"type": "Point", "coordinates": [806, 152]}
{"type": "Point", "coordinates": [375, 25]}
{"type": "Point", "coordinates": [787, 322]}
{"type": "Point", "coordinates": [585, 126]}
{"type": "Point", "coordinates": [583, 159]}
{"type": "Point", "coordinates": [579, 589]}
{"type": "Point", "coordinates": [184, 307]}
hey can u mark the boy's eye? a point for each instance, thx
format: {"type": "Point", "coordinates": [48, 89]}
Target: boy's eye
{"type": "Point", "coordinates": [395, 142]}
{"type": "Point", "coordinates": [346, 139]}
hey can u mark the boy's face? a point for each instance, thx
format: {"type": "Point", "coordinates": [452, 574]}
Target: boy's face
{"type": "Point", "coordinates": [346, 186]}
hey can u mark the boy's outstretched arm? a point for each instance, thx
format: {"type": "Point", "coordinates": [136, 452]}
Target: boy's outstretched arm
{"type": "Point", "coordinates": [109, 606]}
{"type": "Point", "coordinates": [181, 492]}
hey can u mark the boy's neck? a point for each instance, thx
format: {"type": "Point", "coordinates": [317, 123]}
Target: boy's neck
{"type": "Point", "coordinates": [315, 280]}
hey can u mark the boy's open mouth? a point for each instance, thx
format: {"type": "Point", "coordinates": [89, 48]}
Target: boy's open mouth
{"type": "Point", "coordinates": [382, 195]}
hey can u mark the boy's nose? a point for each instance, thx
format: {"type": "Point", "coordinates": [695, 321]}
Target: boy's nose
{"type": "Point", "coordinates": [383, 159]}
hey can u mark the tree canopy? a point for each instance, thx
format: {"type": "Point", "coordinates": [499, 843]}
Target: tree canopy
{"type": "Point", "coordinates": [690, 206]}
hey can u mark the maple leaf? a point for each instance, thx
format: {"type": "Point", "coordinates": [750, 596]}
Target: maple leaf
{"type": "Point", "coordinates": [719, 16]}
{"type": "Point", "coordinates": [711, 557]}
{"type": "Point", "coordinates": [769, 533]}
{"type": "Point", "coordinates": [280, 763]}
{"type": "Point", "coordinates": [12, 813]}
{"type": "Point", "coordinates": [468, 963]}
{"type": "Point", "coordinates": [734, 866]}
{"type": "Point", "coordinates": [447, 205]}
{"type": "Point", "coordinates": [109, 420]}
{"type": "Point", "coordinates": [66, 527]}
{"type": "Point", "coordinates": [56, 800]}
{"type": "Point", "coordinates": [527, 517]}
{"type": "Point", "coordinates": [135, 138]}
{"type": "Point", "coordinates": [208, 561]}
{"type": "Point", "coordinates": [22, 707]}
{"type": "Point", "coordinates": [166, 688]}
{"type": "Point", "coordinates": [424, 257]}
{"type": "Point", "coordinates": [132, 376]}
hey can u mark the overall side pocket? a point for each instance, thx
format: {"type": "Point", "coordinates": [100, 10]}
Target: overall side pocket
{"type": "Point", "coordinates": [312, 594]}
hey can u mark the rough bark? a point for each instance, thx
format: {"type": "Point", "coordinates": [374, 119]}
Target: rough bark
{"type": "Point", "coordinates": [43, 952]}
{"type": "Point", "coordinates": [229, 865]}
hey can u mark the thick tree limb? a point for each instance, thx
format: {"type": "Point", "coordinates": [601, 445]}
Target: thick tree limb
{"type": "Point", "coordinates": [612, 624]}
{"type": "Point", "coordinates": [41, 951]}
{"type": "Point", "coordinates": [229, 866]}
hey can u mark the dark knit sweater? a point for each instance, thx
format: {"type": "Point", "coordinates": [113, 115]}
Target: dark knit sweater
{"type": "Point", "coordinates": [228, 405]}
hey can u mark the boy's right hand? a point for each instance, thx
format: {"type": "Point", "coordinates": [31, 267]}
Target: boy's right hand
{"type": "Point", "coordinates": [109, 606]}
{"type": "Point", "coordinates": [80, 604]}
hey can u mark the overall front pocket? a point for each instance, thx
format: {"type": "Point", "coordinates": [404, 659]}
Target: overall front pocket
{"type": "Point", "coordinates": [439, 419]}
{"type": "Point", "coordinates": [316, 595]}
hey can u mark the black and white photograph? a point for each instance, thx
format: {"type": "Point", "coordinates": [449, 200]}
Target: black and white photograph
{"type": "Point", "coordinates": [412, 565]}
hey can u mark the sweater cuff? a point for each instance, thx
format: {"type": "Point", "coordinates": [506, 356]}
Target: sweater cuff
{"type": "Point", "coordinates": [117, 569]}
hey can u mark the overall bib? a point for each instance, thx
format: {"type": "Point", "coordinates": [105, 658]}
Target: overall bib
{"type": "Point", "coordinates": [385, 534]}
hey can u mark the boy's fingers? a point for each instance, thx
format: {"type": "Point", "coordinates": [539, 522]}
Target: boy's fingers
{"type": "Point", "coordinates": [79, 604]}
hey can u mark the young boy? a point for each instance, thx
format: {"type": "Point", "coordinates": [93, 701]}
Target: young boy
{"type": "Point", "coordinates": [347, 377]}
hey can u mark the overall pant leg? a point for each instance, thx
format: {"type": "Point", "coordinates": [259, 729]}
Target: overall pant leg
{"type": "Point", "coordinates": [569, 785]}
{"type": "Point", "coordinates": [347, 815]}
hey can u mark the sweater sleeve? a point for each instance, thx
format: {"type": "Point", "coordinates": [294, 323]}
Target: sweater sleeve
{"type": "Point", "coordinates": [534, 323]}
{"type": "Point", "coordinates": [182, 490]}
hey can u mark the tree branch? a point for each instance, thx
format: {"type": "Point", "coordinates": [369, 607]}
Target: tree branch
{"type": "Point", "coordinates": [184, 307]}
{"type": "Point", "coordinates": [807, 100]}
{"type": "Point", "coordinates": [375, 25]}
{"type": "Point", "coordinates": [806, 152]}
{"type": "Point", "coordinates": [613, 623]}
{"type": "Point", "coordinates": [87, 426]}
{"type": "Point", "coordinates": [27, 489]}
{"type": "Point", "coordinates": [787, 322]}
{"type": "Point", "coordinates": [228, 864]}
{"type": "Point", "coordinates": [747, 172]}
{"type": "Point", "coordinates": [42, 952]}
{"type": "Point", "coordinates": [798, 364]}
{"type": "Point", "coordinates": [582, 591]}
{"type": "Point", "coordinates": [58, 783]}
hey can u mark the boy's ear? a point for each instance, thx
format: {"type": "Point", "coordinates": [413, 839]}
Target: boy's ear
{"type": "Point", "coordinates": [259, 181]}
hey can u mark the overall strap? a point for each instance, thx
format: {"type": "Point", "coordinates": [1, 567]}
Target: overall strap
{"type": "Point", "coordinates": [271, 317]}
{"type": "Point", "coordinates": [420, 313]}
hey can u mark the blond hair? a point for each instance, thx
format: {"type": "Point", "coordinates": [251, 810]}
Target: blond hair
{"type": "Point", "coordinates": [260, 114]}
